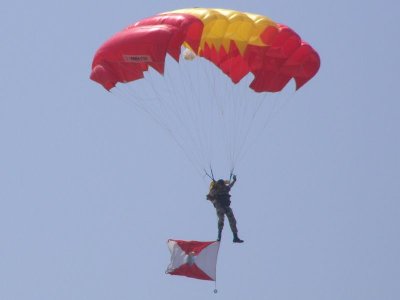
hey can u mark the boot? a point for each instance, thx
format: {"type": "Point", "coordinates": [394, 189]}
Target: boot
{"type": "Point", "coordinates": [219, 235]}
{"type": "Point", "coordinates": [236, 239]}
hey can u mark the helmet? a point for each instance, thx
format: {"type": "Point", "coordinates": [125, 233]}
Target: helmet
{"type": "Point", "coordinates": [221, 182]}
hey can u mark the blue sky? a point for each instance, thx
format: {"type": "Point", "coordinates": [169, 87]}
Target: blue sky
{"type": "Point", "coordinates": [91, 188]}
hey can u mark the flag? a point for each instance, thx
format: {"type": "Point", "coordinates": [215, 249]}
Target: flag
{"type": "Point", "coordinates": [193, 259]}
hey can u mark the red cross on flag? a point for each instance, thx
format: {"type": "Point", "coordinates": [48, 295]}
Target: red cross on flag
{"type": "Point", "coordinates": [193, 259]}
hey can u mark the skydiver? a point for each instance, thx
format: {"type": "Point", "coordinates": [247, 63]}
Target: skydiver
{"type": "Point", "coordinates": [220, 198]}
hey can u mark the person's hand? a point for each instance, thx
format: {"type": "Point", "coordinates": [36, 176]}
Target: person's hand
{"type": "Point", "coordinates": [234, 177]}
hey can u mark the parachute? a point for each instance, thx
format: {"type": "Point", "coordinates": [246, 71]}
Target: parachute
{"type": "Point", "coordinates": [255, 53]}
{"type": "Point", "coordinates": [193, 259]}
{"type": "Point", "coordinates": [236, 42]}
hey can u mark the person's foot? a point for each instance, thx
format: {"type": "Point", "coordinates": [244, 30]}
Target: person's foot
{"type": "Point", "coordinates": [219, 235]}
{"type": "Point", "coordinates": [237, 240]}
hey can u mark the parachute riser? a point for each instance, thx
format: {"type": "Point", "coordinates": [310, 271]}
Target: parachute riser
{"type": "Point", "coordinates": [208, 175]}
{"type": "Point", "coordinates": [211, 174]}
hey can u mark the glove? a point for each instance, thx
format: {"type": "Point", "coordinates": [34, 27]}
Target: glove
{"type": "Point", "coordinates": [234, 177]}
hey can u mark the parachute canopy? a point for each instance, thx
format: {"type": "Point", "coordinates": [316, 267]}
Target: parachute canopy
{"type": "Point", "coordinates": [193, 259]}
{"type": "Point", "coordinates": [237, 43]}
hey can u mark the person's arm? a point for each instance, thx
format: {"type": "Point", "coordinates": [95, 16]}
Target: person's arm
{"type": "Point", "coordinates": [233, 181]}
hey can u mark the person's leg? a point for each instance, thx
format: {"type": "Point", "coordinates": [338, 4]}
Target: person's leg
{"type": "Point", "coordinates": [221, 217]}
{"type": "Point", "coordinates": [232, 223]}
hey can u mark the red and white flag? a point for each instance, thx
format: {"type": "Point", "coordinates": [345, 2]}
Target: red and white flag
{"type": "Point", "coordinates": [193, 259]}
